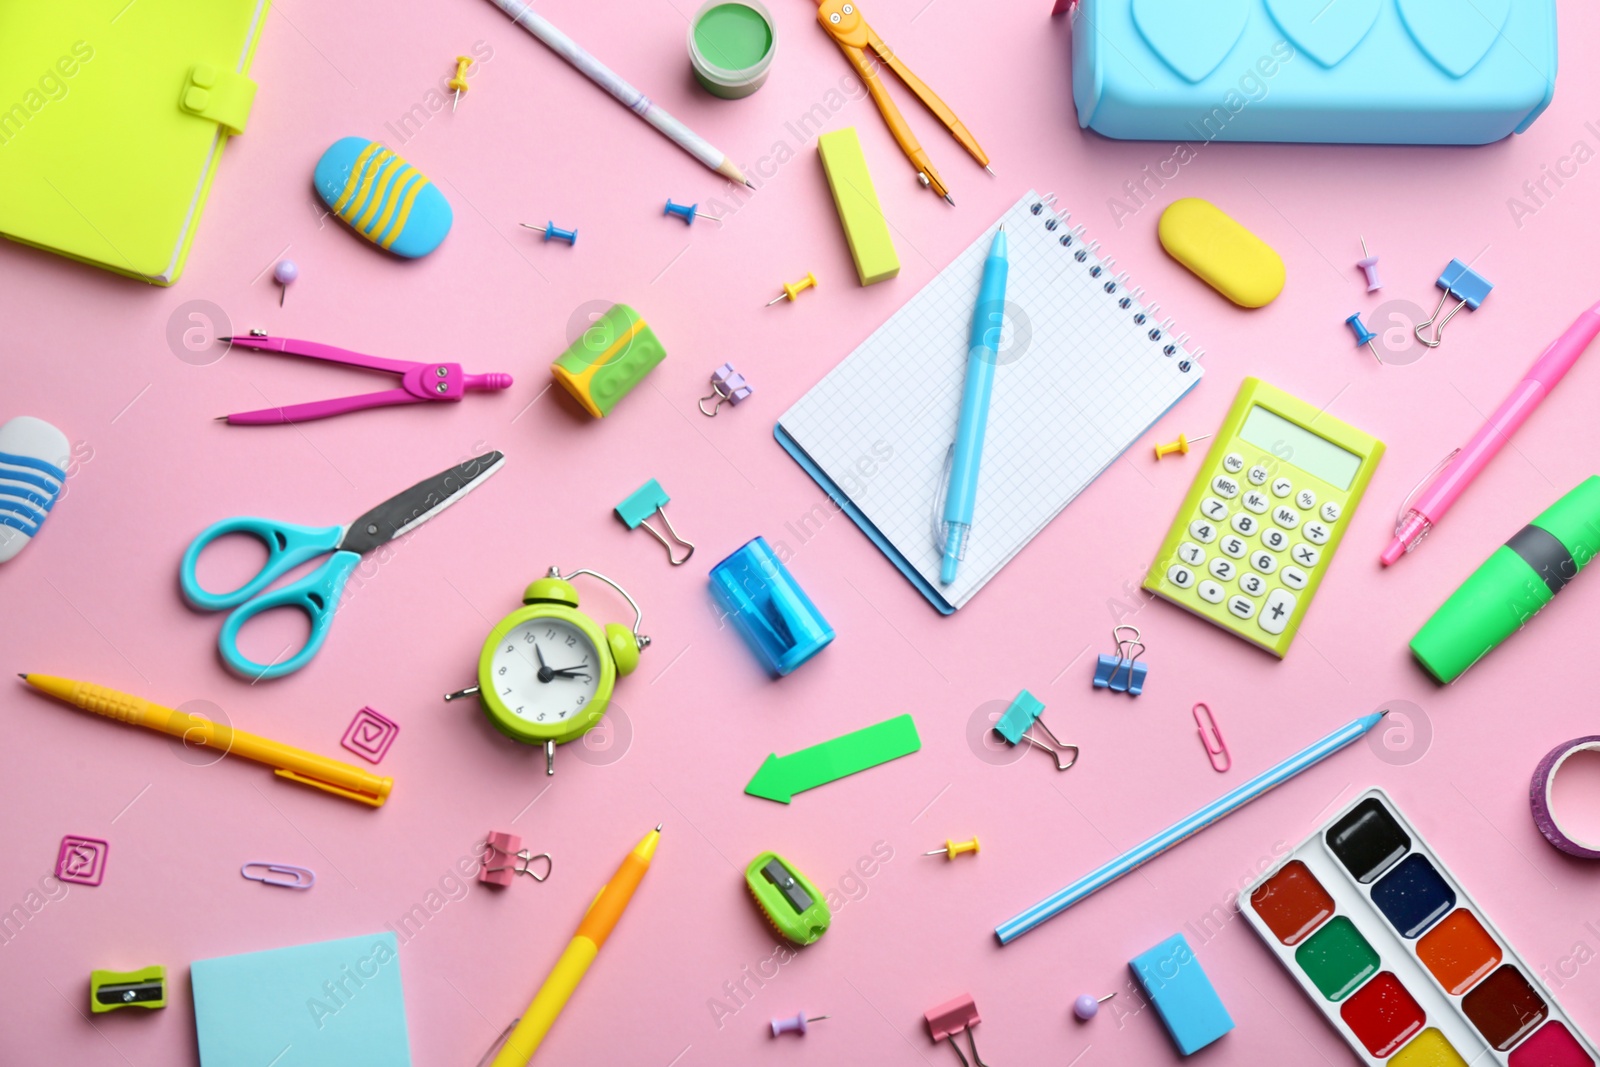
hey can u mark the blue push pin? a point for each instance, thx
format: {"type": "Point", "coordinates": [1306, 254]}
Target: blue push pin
{"type": "Point", "coordinates": [688, 212]}
{"type": "Point", "coordinates": [551, 230]}
{"type": "Point", "coordinates": [1364, 336]}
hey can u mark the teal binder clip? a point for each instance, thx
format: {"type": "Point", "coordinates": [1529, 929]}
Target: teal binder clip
{"type": "Point", "coordinates": [648, 500]}
{"type": "Point", "coordinates": [1463, 283]}
{"type": "Point", "coordinates": [1123, 672]}
{"type": "Point", "coordinates": [1019, 719]}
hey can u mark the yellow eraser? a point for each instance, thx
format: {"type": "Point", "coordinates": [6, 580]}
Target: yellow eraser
{"type": "Point", "coordinates": [864, 227]}
{"type": "Point", "coordinates": [1225, 255]}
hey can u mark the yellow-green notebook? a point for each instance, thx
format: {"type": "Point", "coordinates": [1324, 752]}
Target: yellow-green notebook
{"type": "Point", "coordinates": [113, 114]}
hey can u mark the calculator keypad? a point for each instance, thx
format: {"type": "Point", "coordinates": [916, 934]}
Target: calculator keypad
{"type": "Point", "coordinates": [1269, 545]}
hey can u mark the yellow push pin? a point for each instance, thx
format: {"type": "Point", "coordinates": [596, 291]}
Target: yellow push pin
{"type": "Point", "coordinates": [459, 82]}
{"type": "Point", "coordinates": [952, 849]}
{"type": "Point", "coordinates": [1180, 446]}
{"type": "Point", "coordinates": [792, 291]}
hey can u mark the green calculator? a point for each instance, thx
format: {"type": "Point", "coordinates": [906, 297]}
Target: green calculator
{"type": "Point", "coordinates": [1266, 512]}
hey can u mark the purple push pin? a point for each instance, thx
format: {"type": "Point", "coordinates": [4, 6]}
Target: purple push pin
{"type": "Point", "coordinates": [1087, 1007]}
{"type": "Point", "coordinates": [795, 1025]}
{"type": "Point", "coordinates": [1369, 264]}
{"type": "Point", "coordinates": [285, 274]}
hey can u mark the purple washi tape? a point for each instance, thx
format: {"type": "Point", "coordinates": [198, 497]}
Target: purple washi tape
{"type": "Point", "coordinates": [1540, 791]}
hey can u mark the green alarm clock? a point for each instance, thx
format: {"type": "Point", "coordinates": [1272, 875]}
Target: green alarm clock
{"type": "Point", "coordinates": [547, 670]}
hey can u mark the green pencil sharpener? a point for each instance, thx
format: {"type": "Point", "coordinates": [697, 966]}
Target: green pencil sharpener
{"type": "Point", "coordinates": [110, 990]}
{"type": "Point", "coordinates": [608, 359]}
{"type": "Point", "coordinates": [791, 903]}
{"type": "Point", "coordinates": [1513, 585]}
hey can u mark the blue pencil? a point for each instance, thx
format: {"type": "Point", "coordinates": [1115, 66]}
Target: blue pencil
{"type": "Point", "coordinates": [1057, 903]}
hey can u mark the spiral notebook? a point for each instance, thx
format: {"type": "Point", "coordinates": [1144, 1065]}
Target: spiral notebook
{"type": "Point", "coordinates": [1086, 368]}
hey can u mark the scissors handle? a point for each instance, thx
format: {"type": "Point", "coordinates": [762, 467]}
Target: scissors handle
{"type": "Point", "coordinates": [288, 546]}
{"type": "Point", "coordinates": [317, 594]}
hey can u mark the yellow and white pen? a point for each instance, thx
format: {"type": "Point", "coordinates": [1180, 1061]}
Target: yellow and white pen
{"type": "Point", "coordinates": [597, 924]}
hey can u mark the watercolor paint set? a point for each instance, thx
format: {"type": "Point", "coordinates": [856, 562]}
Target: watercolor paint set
{"type": "Point", "coordinates": [1401, 960]}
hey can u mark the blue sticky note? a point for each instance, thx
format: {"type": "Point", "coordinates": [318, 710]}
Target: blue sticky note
{"type": "Point", "coordinates": [328, 1004]}
{"type": "Point", "coordinates": [1173, 979]}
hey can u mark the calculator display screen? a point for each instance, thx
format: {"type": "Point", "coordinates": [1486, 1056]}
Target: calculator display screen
{"type": "Point", "coordinates": [1317, 456]}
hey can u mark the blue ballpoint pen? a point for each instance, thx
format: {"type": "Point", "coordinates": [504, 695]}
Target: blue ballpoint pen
{"type": "Point", "coordinates": [1059, 902]}
{"type": "Point", "coordinates": [982, 347]}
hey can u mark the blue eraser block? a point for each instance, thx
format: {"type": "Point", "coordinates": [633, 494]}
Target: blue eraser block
{"type": "Point", "coordinates": [1173, 979]}
{"type": "Point", "coordinates": [1019, 716]}
{"type": "Point", "coordinates": [382, 197]}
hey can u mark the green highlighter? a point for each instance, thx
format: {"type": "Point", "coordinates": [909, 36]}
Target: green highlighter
{"type": "Point", "coordinates": [1513, 585]}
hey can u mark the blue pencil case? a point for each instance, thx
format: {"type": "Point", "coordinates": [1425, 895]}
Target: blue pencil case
{"type": "Point", "coordinates": [1354, 71]}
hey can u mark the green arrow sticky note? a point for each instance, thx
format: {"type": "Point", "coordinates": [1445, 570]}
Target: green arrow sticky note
{"type": "Point", "coordinates": [781, 777]}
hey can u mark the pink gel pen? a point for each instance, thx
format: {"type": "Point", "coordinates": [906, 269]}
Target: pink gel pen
{"type": "Point", "coordinates": [1551, 366]}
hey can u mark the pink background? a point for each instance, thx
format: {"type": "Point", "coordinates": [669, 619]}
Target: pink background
{"type": "Point", "coordinates": [96, 597]}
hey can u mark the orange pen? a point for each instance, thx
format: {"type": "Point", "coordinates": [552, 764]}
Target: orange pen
{"type": "Point", "coordinates": [844, 23]}
{"type": "Point", "coordinates": [597, 924]}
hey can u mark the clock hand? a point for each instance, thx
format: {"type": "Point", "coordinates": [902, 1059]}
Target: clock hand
{"type": "Point", "coordinates": [545, 673]}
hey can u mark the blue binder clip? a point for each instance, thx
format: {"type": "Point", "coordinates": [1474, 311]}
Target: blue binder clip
{"type": "Point", "coordinates": [1463, 283]}
{"type": "Point", "coordinates": [1123, 672]}
{"type": "Point", "coordinates": [1019, 719]}
{"type": "Point", "coordinates": [643, 504]}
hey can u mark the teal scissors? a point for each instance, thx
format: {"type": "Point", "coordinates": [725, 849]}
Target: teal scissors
{"type": "Point", "coordinates": [317, 594]}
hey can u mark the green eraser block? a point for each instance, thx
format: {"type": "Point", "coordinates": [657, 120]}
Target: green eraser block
{"type": "Point", "coordinates": [864, 227]}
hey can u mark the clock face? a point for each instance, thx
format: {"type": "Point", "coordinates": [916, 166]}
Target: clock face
{"type": "Point", "coordinates": [545, 671]}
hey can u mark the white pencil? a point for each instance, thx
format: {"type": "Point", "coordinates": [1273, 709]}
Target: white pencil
{"type": "Point", "coordinates": [627, 95]}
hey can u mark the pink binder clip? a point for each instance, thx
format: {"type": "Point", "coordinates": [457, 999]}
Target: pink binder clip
{"type": "Point", "coordinates": [499, 846]}
{"type": "Point", "coordinates": [1208, 732]}
{"type": "Point", "coordinates": [949, 1019]}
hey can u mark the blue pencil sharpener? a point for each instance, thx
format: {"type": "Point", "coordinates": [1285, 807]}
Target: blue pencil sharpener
{"type": "Point", "coordinates": [770, 610]}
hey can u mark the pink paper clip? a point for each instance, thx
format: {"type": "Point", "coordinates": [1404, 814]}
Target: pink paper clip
{"type": "Point", "coordinates": [279, 874]}
{"type": "Point", "coordinates": [1209, 723]}
{"type": "Point", "coordinates": [949, 1019]}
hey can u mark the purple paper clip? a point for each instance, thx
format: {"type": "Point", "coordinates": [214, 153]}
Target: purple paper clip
{"type": "Point", "coordinates": [727, 385]}
{"type": "Point", "coordinates": [281, 875]}
{"type": "Point", "coordinates": [1209, 723]}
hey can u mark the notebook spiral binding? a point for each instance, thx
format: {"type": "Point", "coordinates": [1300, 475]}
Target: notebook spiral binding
{"type": "Point", "coordinates": [1131, 298]}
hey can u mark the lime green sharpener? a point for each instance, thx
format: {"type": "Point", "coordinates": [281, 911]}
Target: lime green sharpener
{"type": "Point", "coordinates": [791, 903]}
{"type": "Point", "coordinates": [1511, 587]}
{"type": "Point", "coordinates": [110, 990]}
{"type": "Point", "coordinates": [608, 359]}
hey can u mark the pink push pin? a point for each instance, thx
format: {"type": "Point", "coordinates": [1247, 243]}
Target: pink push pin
{"type": "Point", "coordinates": [285, 274]}
{"type": "Point", "coordinates": [1369, 264]}
{"type": "Point", "coordinates": [794, 1025]}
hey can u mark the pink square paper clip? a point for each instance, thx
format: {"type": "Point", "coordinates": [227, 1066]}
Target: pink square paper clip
{"type": "Point", "coordinates": [370, 735]}
{"type": "Point", "coordinates": [82, 860]}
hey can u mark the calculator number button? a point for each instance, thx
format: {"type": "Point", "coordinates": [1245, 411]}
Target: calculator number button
{"type": "Point", "coordinates": [1244, 524]}
{"type": "Point", "coordinates": [1191, 553]}
{"type": "Point", "coordinates": [1276, 540]}
{"type": "Point", "coordinates": [1210, 592]}
{"type": "Point", "coordinates": [1180, 576]}
{"type": "Point", "coordinates": [1294, 578]}
{"type": "Point", "coordinates": [1213, 509]}
{"type": "Point", "coordinates": [1233, 546]}
{"type": "Point", "coordinates": [1252, 583]}
{"type": "Point", "coordinates": [1223, 569]}
{"type": "Point", "coordinates": [1330, 512]}
{"type": "Point", "coordinates": [1286, 517]}
{"type": "Point", "coordinates": [1316, 533]}
{"type": "Point", "coordinates": [1277, 611]}
{"type": "Point", "coordinates": [1233, 463]}
{"type": "Point", "coordinates": [1265, 562]}
{"type": "Point", "coordinates": [1242, 606]}
{"type": "Point", "coordinates": [1305, 500]}
{"type": "Point", "coordinates": [1225, 486]}
{"type": "Point", "coordinates": [1305, 555]}
{"type": "Point", "coordinates": [1255, 502]}
{"type": "Point", "coordinates": [1257, 475]}
{"type": "Point", "coordinates": [1282, 487]}
{"type": "Point", "coordinates": [1203, 531]}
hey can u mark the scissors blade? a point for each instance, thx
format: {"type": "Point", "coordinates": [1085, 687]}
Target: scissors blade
{"type": "Point", "coordinates": [406, 511]}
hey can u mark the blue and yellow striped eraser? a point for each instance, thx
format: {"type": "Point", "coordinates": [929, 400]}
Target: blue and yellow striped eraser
{"type": "Point", "coordinates": [382, 197]}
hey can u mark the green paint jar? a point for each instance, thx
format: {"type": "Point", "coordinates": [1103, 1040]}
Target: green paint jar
{"type": "Point", "coordinates": [731, 45]}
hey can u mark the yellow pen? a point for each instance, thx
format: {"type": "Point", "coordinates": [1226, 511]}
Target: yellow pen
{"type": "Point", "coordinates": [295, 764]}
{"type": "Point", "coordinates": [569, 970]}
